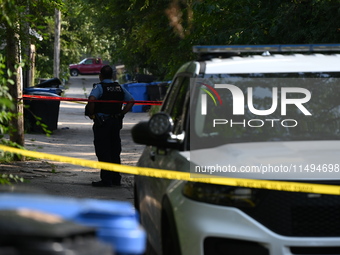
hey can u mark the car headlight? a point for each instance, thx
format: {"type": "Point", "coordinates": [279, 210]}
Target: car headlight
{"type": "Point", "coordinates": [220, 194]}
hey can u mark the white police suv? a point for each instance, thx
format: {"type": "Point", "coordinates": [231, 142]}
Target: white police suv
{"type": "Point", "coordinates": [267, 112]}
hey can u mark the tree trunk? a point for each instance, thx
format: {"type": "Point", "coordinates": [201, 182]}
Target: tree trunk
{"type": "Point", "coordinates": [13, 61]}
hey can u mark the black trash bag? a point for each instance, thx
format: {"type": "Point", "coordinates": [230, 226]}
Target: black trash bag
{"type": "Point", "coordinates": [53, 82]}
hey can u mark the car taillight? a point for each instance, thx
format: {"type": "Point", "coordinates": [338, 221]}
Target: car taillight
{"type": "Point", "coordinates": [220, 195]}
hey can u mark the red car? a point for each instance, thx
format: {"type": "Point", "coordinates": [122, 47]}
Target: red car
{"type": "Point", "coordinates": [86, 66]}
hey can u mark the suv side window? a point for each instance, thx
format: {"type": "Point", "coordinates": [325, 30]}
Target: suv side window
{"type": "Point", "coordinates": [176, 102]}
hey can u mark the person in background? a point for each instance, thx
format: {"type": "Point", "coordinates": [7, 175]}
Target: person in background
{"type": "Point", "coordinates": [108, 121]}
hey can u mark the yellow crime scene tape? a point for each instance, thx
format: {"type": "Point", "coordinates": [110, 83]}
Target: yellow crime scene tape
{"type": "Point", "coordinates": [186, 176]}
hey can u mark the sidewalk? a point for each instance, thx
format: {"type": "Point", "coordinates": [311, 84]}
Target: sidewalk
{"type": "Point", "coordinates": [74, 138]}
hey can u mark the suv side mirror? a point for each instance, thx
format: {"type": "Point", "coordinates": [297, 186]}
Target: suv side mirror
{"type": "Point", "coordinates": [156, 132]}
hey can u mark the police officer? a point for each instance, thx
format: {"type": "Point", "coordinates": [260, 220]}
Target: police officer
{"type": "Point", "coordinates": [108, 121]}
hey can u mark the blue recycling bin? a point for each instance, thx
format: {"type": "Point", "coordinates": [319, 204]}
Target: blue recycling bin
{"type": "Point", "coordinates": [139, 92]}
{"type": "Point", "coordinates": [116, 222]}
{"type": "Point", "coordinates": [126, 86]}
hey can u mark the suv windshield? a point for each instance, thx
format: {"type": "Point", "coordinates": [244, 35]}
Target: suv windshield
{"type": "Point", "coordinates": [227, 108]}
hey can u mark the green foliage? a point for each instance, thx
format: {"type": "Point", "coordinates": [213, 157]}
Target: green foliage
{"type": "Point", "coordinates": [6, 157]}
{"type": "Point", "coordinates": [80, 38]}
{"type": "Point", "coordinates": [154, 109]}
{"type": "Point", "coordinates": [5, 98]}
{"type": "Point", "coordinates": [6, 105]}
{"type": "Point", "coordinates": [9, 178]}
{"type": "Point", "coordinates": [158, 35]}
{"type": "Point", "coordinates": [42, 125]}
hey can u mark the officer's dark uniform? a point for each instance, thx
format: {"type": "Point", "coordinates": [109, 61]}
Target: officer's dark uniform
{"type": "Point", "coordinates": [106, 130]}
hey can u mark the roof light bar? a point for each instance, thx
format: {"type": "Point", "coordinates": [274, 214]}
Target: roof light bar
{"type": "Point", "coordinates": [270, 48]}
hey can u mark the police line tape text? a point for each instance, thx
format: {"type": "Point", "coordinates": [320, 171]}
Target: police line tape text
{"type": "Point", "coordinates": [268, 168]}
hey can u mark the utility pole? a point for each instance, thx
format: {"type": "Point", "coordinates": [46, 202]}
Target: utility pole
{"type": "Point", "coordinates": [56, 67]}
